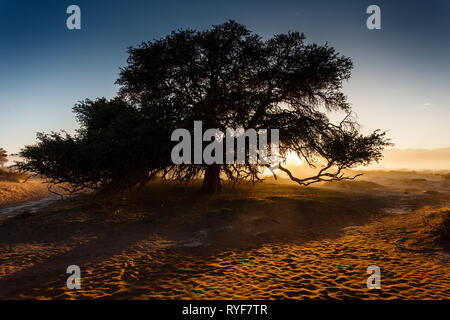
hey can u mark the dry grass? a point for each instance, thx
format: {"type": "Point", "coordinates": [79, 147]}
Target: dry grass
{"type": "Point", "coordinates": [15, 192]}
{"type": "Point", "coordinates": [11, 176]}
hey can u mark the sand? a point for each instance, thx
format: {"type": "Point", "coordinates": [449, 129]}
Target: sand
{"type": "Point", "coordinates": [17, 192]}
{"type": "Point", "coordinates": [269, 241]}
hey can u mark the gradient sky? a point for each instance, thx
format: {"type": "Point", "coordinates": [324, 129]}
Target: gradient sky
{"type": "Point", "coordinates": [400, 83]}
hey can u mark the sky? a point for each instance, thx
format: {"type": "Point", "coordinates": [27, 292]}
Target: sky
{"type": "Point", "coordinates": [400, 81]}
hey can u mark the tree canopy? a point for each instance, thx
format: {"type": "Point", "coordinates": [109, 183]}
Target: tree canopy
{"type": "Point", "coordinates": [226, 77]}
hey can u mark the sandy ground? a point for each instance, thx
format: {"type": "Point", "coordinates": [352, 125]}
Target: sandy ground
{"type": "Point", "coordinates": [16, 192]}
{"type": "Point", "coordinates": [269, 241]}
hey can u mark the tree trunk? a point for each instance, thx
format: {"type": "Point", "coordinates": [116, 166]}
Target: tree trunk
{"type": "Point", "coordinates": [211, 181]}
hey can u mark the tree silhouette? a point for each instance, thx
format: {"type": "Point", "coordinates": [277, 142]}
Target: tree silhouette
{"type": "Point", "coordinates": [228, 77]}
{"type": "Point", "coordinates": [3, 157]}
{"type": "Point", "coordinates": [112, 150]}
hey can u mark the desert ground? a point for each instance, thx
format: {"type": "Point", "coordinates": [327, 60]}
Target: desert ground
{"type": "Point", "coordinates": [16, 192]}
{"type": "Point", "coordinates": [274, 240]}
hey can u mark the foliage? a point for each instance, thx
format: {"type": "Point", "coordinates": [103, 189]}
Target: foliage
{"type": "Point", "coordinates": [113, 149]}
{"type": "Point", "coordinates": [226, 77]}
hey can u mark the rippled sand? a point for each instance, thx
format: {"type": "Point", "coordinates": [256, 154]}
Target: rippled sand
{"type": "Point", "coordinates": [267, 242]}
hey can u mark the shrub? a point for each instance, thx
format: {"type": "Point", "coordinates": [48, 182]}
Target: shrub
{"type": "Point", "coordinates": [443, 229]}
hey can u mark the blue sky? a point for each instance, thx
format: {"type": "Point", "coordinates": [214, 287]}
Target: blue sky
{"type": "Point", "coordinates": [400, 83]}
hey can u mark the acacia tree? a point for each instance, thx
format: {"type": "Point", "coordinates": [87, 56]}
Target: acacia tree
{"type": "Point", "coordinates": [228, 77]}
{"type": "Point", "coordinates": [112, 150]}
